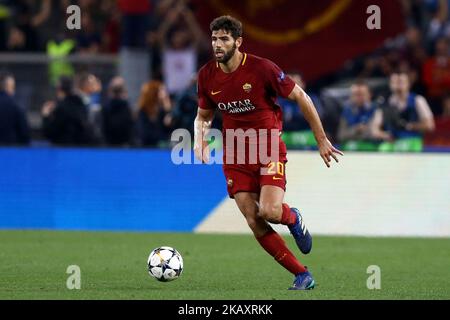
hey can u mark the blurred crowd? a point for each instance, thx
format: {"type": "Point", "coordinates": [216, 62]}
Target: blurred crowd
{"type": "Point", "coordinates": [81, 115]}
{"type": "Point", "coordinates": [413, 105]}
{"type": "Point", "coordinates": [416, 64]}
{"type": "Point", "coordinates": [30, 26]}
{"type": "Point", "coordinates": [167, 28]}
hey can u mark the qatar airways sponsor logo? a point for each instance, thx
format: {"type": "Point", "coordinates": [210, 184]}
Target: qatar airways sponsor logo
{"type": "Point", "coordinates": [249, 146]}
{"type": "Point", "coordinates": [236, 106]}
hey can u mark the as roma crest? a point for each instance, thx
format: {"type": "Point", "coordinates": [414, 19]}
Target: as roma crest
{"type": "Point", "coordinates": [247, 87]}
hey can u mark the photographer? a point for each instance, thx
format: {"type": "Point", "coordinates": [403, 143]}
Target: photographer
{"type": "Point", "coordinates": [405, 115]}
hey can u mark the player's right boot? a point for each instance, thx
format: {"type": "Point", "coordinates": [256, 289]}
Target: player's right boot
{"type": "Point", "coordinates": [303, 281]}
{"type": "Point", "coordinates": [301, 235]}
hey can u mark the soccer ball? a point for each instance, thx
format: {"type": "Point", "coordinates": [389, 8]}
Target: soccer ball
{"type": "Point", "coordinates": [165, 264]}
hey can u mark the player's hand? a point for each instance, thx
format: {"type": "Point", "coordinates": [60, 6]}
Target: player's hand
{"type": "Point", "coordinates": [327, 151]}
{"type": "Point", "coordinates": [201, 151]}
{"type": "Point", "coordinates": [201, 147]}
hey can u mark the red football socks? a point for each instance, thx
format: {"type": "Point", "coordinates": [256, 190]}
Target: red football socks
{"type": "Point", "coordinates": [287, 217]}
{"type": "Point", "coordinates": [276, 247]}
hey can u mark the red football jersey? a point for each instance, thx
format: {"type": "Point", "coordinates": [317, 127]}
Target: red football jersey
{"type": "Point", "coordinates": [247, 96]}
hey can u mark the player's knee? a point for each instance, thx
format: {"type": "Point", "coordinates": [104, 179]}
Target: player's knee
{"type": "Point", "coordinates": [270, 211]}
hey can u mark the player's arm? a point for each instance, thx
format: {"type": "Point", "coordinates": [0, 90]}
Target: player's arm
{"type": "Point", "coordinates": [326, 149]}
{"type": "Point", "coordinates": [202, 125]}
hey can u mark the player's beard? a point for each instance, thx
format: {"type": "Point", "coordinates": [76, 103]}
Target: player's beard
{"type": "Point", "coordinates": [227, 55]}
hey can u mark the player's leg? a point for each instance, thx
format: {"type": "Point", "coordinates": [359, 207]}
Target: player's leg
{"type": "Point", "coordinates": [265, 235]}
{"type": "Point", "coordinates": [243, 186]}
{"type": "Point", "coordinates": [272, 208]}
{"type": "Point", "coordinates": [247, 203]}
{"type": "Point", "coordinates": [275, 211]}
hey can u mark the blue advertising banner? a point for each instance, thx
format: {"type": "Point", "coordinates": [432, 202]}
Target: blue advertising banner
{"type": "Point", "coordinates": [104, 189]}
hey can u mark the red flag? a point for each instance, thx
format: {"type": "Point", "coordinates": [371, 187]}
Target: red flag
{"type": "Point", "coordinates": [315, 37]}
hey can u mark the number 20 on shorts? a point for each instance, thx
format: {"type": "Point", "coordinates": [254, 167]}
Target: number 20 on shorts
{"type": "Point", "coordinates": [279, 168]}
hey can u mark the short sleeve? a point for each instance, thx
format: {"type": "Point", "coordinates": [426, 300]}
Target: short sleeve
{"type": "Point", "coordinates": [277, 80]}
{"type": "Point", "coordinates": [203, 100]}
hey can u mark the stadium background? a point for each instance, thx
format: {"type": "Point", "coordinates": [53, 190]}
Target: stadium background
{"type": "Point", "coordinates": [44, 186]}
{"type": "Point", "coordinates": [134, 186]}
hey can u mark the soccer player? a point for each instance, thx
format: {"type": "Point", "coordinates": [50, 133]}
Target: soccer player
{"type": "Point", "coordinates": [244, 88]}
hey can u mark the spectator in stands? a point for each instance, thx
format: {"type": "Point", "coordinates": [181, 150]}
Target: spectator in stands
{"type": "Point", "coordinates": [293, 119]}
{"type": "Point", "coordinates": [357, 114]}
{"type": "Point", "coordinates": [58, 50]}
{"type": "Point", "coordinates": [406, 52]}
{"type": "Point", "coordinates": [42, 10]}
{"type": "Point", "coordinates": [16, 40]}
{"type": "Point", "coordinates": [412, 48]}
{"type": "Point", "coordinates": [436, 74]}
{"type": "Point", "coordinates": [14, 129]}
{"type": "Point", "coordinates": [405, 115]}
{"type": "Point", "coordinates": [34, 22]}
{"type": "Point", "coordinates": [185, 107]}
{"type": "Point", "coordinates": [116, 115]}
{"type": "Point", "coordinates": [135, 15]}
{"type": "Point", "coordinates": [414, 13]}
{"type": "Point", "coordinates": [154, 118]}
{"type": "Point", "coordinates": [158, 15]}
{"type": "Point", "coordinates": [89, 88]}
{"type": "Point", "coordinates": [88, 38]}
{"type": "Point", "coordinates": [23, 35]}
{"type": "Point", "coordinates": [111, 31]}
{"type": "Point", "coordinates": [412, 57]}
{"type": "Point", "coordinates": [181, 39]}
{"type": "Point", "coordinates": [65, 122]}
{"type": "Point", "coordinates": [439, 23]}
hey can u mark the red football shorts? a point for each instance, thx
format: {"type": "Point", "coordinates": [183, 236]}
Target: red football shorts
{"type": "Point", "coordinates": [251, 177]}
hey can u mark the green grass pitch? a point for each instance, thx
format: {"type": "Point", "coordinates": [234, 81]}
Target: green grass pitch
{"type": "Point", "coordinates": [113, 266]}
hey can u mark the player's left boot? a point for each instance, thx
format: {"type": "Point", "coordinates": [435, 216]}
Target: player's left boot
{"type": "Point", "coordinates": [303, 281]}
{"type": "Point", "coordinates": [301, 235]}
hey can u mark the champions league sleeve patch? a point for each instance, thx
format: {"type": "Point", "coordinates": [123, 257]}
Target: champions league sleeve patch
{"type": "Point", "coordinates": [281, 77]}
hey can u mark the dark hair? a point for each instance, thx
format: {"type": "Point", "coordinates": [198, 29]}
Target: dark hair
{"type": "Point", "coordinates": [4, 76]}
{"type": "Point", "coordinates": [361, 83]}
{"type": "Point", "coordinates": [65, 84]}
{"type": "Point", "coordinates": [228, 24]}
{"type": "Point", "coordinates": [117, 90]}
